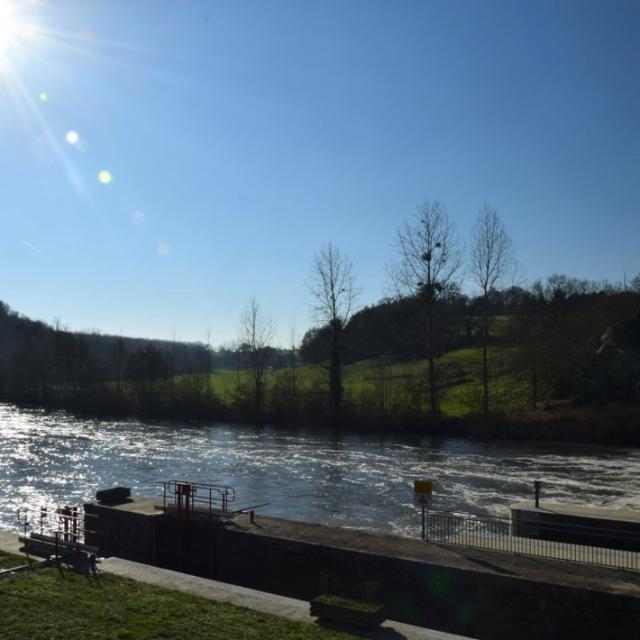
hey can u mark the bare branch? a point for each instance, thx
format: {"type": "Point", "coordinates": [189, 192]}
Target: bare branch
{"type": "Point", "coordinates": [334, 289]}
{"type": "Point", "coordinates": [430, 257]}
{"type": "Point", "coordinates": [492, 261]}
{"type": "Point", "coordinates": [492, 254]}
{"type": "Point", "coordinates": [430, 252]}
{"type": "Point", "coordinates": [333, 286]}
{"type": "Point", "coordinates": [256, 332]}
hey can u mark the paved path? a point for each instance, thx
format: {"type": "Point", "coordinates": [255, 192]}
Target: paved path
{"type": "Point", "coordinates": [9, 542]}
{"type": "Point", "coordinates": [239, 596]}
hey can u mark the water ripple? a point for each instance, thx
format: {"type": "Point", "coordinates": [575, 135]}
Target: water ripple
{"type": "Point", "coordinates": [354, 480]}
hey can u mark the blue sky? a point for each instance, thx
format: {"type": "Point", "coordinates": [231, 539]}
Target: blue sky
{"type": "Point", "coordinates": [242, 136]}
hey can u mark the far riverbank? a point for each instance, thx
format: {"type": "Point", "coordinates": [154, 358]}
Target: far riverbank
{"type": "Point", "coordinates": [608, 424]}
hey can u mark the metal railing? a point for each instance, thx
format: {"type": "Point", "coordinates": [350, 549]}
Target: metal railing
{"type": "Point", "coordinates": [187, 498]}
{"type": "Point", "coordinates": [58, 529]}
{"type": "Point", "coordinates": [558, 541]}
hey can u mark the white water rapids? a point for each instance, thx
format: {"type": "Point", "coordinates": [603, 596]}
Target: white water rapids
{"type": "Point", "coordinates": [362, 481]}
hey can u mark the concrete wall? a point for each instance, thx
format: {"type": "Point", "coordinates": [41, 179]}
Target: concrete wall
{"type": "Point", "coordinates": [474, 603]}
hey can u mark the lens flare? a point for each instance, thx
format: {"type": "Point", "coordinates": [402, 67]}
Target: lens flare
{"type": "Point", "coordinates": [105, 177]}
{"type": "Point", "coordinates": [163, 248]}
{"type": "Point", "coordinates": [43, 96]}
{"type": "Point", "coordinates": [72, 137]}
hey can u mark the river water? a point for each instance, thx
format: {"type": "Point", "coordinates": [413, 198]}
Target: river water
{"type": "Point", "coordinates": [361, 481]}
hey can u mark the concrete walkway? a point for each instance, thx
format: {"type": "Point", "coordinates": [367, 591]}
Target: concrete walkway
{"type": "Point", "coordinates": [282, 606]}
{"type": "Point", "coordinates": [9, 543]}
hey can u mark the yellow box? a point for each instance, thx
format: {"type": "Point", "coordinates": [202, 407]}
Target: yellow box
{"type": "Point", "coordinates": [423, 486]}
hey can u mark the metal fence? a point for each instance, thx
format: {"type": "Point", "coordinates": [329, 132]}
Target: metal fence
{"type": "Point", "coordinates": [67, 523]}
{"type": "Point", "coordinates": [57, 530]}
{"type": "Point", "coordinates": [597, 545]}
{"type": "Point", "coordinates": [188, 498]}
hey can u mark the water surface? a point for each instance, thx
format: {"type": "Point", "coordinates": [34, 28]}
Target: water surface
{"type": "Point", "coordinates": [359, 481]}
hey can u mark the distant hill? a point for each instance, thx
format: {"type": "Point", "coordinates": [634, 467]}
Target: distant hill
{"type": "Point", "coordinates": [18, 332]}
{"type": "Point", "coordinates": [396, 328]}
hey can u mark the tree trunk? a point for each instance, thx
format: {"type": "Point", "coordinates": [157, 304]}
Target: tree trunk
{"type": "Point", "coordinates": [433, 399]}
{"type": "Point", "coordinates": [335, 377]}
{"type": "Point", "coordinates": [485, 365]}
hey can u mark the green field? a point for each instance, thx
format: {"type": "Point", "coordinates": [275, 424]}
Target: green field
{"type": "Point", "coordinates": [401, 386]}
{"type": "Point", "coordinates": [49, 605]}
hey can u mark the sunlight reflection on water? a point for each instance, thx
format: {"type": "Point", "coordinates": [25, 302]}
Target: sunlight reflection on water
{"type": "Point", "coordinates": [355, 480]}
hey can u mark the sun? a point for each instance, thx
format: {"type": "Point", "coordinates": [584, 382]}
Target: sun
{"type": "Point", "coordinates": [15, 31]}
{"type": "Point", "coordinates": [8, 27]}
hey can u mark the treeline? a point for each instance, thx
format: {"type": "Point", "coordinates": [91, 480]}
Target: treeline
{"type": "Point", "coordinates": [48, 365]}
{"type": "Point", "coordinates": [551, 337]}
{"type": "Point", "coordinates": [561, 340]}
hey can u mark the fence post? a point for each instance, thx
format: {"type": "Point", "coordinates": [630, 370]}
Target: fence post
{"type": "Point", "coordinates": [537, 485]}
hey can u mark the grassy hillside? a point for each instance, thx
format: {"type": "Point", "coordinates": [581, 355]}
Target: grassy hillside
{"type": "Point", "coordinates": [399, 386]}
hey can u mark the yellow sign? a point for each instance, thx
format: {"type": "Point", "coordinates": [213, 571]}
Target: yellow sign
{"type": "Point", "coordinates": [423, 486]}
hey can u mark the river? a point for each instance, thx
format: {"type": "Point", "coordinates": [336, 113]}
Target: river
{"type": "Point", "coordinates": [352, 480]}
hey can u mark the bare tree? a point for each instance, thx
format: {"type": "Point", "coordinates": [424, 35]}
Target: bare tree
{"type": "Point", "coordinates": [334, 289]}
{"type": "Point", "coordinates": [430, 257]}
{"type": "Point", "coordinates": [255, 332]}
{"type": "Point", "coordinates": [492, 261]}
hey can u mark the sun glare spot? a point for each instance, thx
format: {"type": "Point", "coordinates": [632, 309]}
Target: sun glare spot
{"type": "Point", "coordinates": [163, 248]}
{"type": "Point", "coordinates": [43, 96]}
{"type": "Point", "coordinates": [105, 176]}
{"type": "Point", "coordinates": [72, 137]}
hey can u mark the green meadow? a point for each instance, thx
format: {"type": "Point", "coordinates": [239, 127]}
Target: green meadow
{"type": "Point", "coordinates": [394, 387]}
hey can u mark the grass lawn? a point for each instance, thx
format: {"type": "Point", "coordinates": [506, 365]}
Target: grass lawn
{"type": "Point", "coordinates": [7, 561]}
{"type": "Point", "coordinates": [45, 605]}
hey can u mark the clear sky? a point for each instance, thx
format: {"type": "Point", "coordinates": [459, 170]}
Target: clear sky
{"type": "Point", "coordinates": [239, 137]}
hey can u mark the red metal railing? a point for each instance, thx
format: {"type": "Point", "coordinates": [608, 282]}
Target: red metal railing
{"type": "Point", "coordinates": [187, 498]}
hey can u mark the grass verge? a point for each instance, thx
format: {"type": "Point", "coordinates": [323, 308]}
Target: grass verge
{"type": "Point", "coordinates": [8, 561]}
{"type": "Point", "coordinates": [48, 605]}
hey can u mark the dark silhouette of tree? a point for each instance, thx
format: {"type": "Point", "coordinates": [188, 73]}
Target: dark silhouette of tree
{"type": "Point", "coordinates": [255, 332]}
{"type": "Point", "coordinates": [334, 290]}
{"type": "Point", "coordinates": [148, 369]}
{"type": "Point", "coordinates": [118, 361]}
{"type": "Point", "coordinates": [207, 357]}
{"type": "Point", "coordinates": [430, 257]}
{"type": "Point", "coordinates": [291, 372]}
{"type": "Point", "coordinates": [492, 261]}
